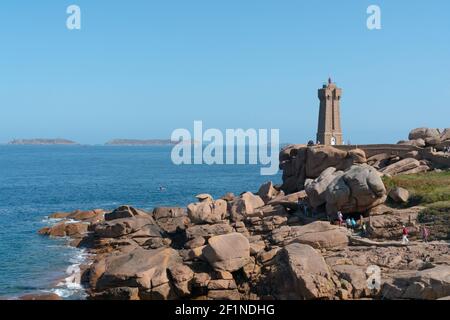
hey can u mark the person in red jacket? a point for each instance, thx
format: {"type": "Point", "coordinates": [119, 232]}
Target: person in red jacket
{"type": "Point", "coordinates": [405, 239]}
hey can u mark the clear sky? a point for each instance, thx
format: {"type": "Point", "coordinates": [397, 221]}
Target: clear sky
{"type": "Point", "coordinates": [140, 69]}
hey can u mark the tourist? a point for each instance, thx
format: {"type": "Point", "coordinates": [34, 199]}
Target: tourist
{"type": "Point", "coordinates": [354, 224]}
{"type": "Point", "coordinates": [405, 232]}
{"type": "Point", "coordinates": [364, 230]}
{"type": "Point", "coordinates": [425, 234]}
{"type": "Point", "coordinates": [348, 223]}
{"type": "Point", "coordinates": [340, 218]}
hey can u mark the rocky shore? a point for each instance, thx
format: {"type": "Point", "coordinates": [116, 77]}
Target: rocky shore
{"type": "Point", "coordinates": [265, 245]}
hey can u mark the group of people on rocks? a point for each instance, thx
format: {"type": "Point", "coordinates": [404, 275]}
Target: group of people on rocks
{"type": "Point", "coordinates": [351, 223]}
{"type": "Point", "coordinates": [361, 226]}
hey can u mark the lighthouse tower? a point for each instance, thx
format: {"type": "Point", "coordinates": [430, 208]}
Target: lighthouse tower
{"type": "Point", "coordinates": [329, 131]}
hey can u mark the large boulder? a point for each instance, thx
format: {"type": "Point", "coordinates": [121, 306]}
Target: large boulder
{"type": "Point", "coordinates": [140, 268]}
{"type": "Point", "coordinates": [303, 274]}
{"type": "Point", "coordinates": [245, 205]}
{"type": "Point", "coordinates": [207, 211]}
{"type": "Point", "coordinates": [399, 195]}
{"type": "Point", "coordinates": [355, 190]}
{"type": "Point", "coordinates": [423, 133]}
{"type": "Point", "coordinates": [320, 235]}
{"type": "Point", "coordinates": [229, 252]}
{"type": "Point", "coordinates": [401, 166]}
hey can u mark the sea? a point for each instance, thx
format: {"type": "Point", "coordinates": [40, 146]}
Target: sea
{"type": "Point", "coordinates": [36, 181]}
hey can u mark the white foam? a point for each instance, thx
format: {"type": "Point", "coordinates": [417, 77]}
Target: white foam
{"type": "Point", "coordinates": [51, 221]}
{"type": "Point", "coordinates": [70, 286]}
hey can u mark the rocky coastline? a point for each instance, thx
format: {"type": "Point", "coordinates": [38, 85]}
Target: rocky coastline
{"type": "Point", "coordinates": [281, 242]}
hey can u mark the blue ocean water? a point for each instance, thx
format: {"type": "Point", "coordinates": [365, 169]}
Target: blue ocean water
{"type": "Point", "coordinates": [36, 181]}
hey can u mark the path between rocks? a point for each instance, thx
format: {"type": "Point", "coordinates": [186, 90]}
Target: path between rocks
{"type": "Point", "coordinates": [360, 241]}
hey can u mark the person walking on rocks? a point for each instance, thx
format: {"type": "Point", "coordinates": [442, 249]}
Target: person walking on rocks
{"type": "Point", "coordinates": [364, 229]}
{"type": "Point", "coordinates": [348, 222]}
{"type": "Point", "coordinates": [340, 218]}
{"type": "Point", "coordinates": [425, 234]}
{"type": "Point", "coordinates": [405, 239]}
{"type": "Point", "coordinates": [354, 224]}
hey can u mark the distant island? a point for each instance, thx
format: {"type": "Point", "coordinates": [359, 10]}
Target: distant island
{"type": "Point", "coordinates": [42, 142]}
{"type": "Point", "coordinates": [137, 142]}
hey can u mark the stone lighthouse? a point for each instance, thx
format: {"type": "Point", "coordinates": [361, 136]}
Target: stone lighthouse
{"type": "Point", "coordinates": [329, 131]}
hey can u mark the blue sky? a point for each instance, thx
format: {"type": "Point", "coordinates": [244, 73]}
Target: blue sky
{"type": "Point", "coordinates": [140, 69]}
